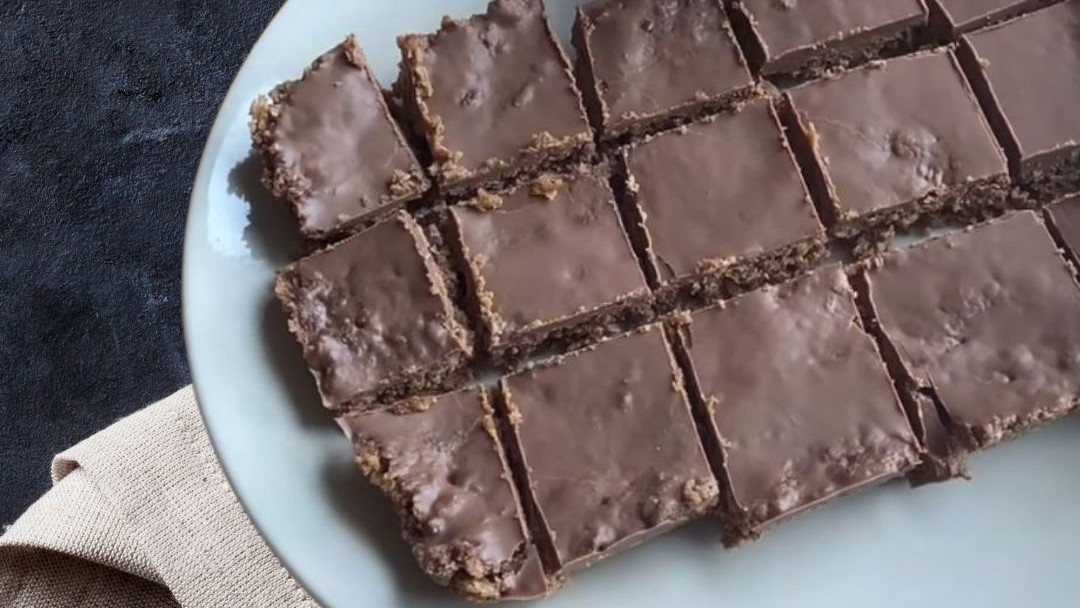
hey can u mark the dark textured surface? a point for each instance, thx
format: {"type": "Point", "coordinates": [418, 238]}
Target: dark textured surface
{"type": "Point", "coordinates": [104, 109]}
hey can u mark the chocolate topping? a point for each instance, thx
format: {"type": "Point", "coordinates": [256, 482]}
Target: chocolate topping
{"type": "Point", "coordinates": [988, 320]}
{"type": "Point", "coordinates": [1031, 68]}
{"type": "Point", "coordinates": [610, 448]}
{"type": "Point", "coordinates": [442, 466]}
{"type": "Point", "coordinates": [720, 190]}
{"type": "Point", "coordinates": [331, 147]}
{"type": "Point", "coordinates": [970, 15]}
{"type": "Point", "coordinates": [493, 92]}
{"type": "Point", "coordinates": [1065, 216]}
{"type": "Point", "coordinates": [882, 146]}
{"type": "Point", "coordinates": [792, 34]}
{"type": "Point", "coordinates": [551, 251]}
{"type": "Point", "coordinates": [803, 404]}
{"type": "Point", "coordinates": [654, 58]}
{"type": "Point", "coordinates": [373, 312]}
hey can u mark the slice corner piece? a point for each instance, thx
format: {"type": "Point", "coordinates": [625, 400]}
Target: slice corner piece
{"type": "Point", "coordinates": [440, 462]}
{"type": "Point", "coordinates": [1025, 73]}
{"type": "Point", "coordinates": [493, 96]}
{"type": "Point", "coordinates": [374, 318]}
{"type": "Point", "coordinates": [331, 148]}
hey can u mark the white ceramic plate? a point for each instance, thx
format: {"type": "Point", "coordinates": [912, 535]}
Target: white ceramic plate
{"type": "Point", "coordinates": [1010, 538]}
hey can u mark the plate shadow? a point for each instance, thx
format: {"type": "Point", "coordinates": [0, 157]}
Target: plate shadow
{"type": "Point", "coordinates": [272, 233]}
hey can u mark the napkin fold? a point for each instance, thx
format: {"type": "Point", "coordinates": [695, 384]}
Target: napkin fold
{"type": "Point", "coordinates": [141, 515]}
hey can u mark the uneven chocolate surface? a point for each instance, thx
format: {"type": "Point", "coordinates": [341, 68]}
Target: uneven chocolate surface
{"type": "Point", "coordinates": [881, 146]}
{"type": "Point", "coordinates": [331, 148]}
{"type": "Point", "coordinates": [969, 15]}
{"type": "Point", "coordinates": [441, 464]}
{"type": "Point", "coordinates": [790, 36]}
{"type": "Point", "coordinates": [719, 191]}
{"type": "Point", "coordinates": [372, 313]}
{"type": "Point", "coordinates": [1028, 74]}
{"type": "Point", "coordinates": [791, 402]}
{"type": "Point", "coordinates": [493, 93]}
{"type": "Point", "coordinates": [1065, 217]}
{"type": "Point", "coordinates": [943, 458]}
{"type": "Point", "coordinates": [988, 321]}
{"type": "Point", "coordinates": [547, 252]}
{"type": "Point", "coordinates": [803, 404]}
{"type": "Point", "coordinates": [610, 448]}
{"type": "Point", "coordinates": [645, 60]}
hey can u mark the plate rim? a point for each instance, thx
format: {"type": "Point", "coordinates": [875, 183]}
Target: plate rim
{"type": "Point", "coordinates": [200, 185]}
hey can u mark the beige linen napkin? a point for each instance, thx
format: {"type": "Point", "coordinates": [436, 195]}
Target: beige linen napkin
{"type": "Point", "coordinates": [141, 515]}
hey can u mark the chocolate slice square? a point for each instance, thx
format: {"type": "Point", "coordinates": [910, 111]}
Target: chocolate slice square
{"type": "Point", "coordinates": [646, 63]}
{"type": "Point", "coordinates": [549, 264]}
{"type": "Point", "coordinates": [374, 317]}
{"type": "Point", "coordinates": [797, 41]}
{"type": "Point", "coordinates": [608, 446]}
{"type": "Point", "coordinates": [986, 324]}
{"type": "Point", "coordinates": [1027, 75]}
{"type": "Point", "coordinates": [1065, 222]}
{"type": "Point", "coordinates": [801, 402]}
{"type": "Point", "coordinates": [882, 157]}
{"type": "Point", "coordinates": [441, 464]}
{"type": "Point", "coordinates": [721, 201]}
{"type": "Point", "coordinates": [493, 96]}
{"type": "Point", "coordinates": [332, 150]}
{"type": "Point", "coordinates": [957, 17]}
